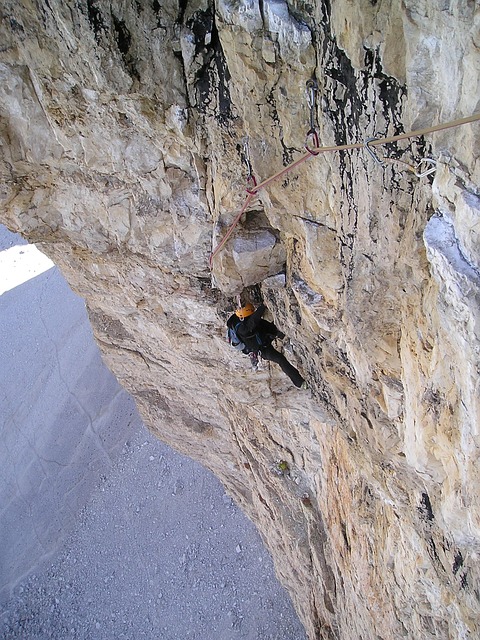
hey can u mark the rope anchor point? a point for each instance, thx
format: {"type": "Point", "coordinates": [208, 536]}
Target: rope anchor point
{"type": "Point", "coordinates": [431, 163]}
{"type": "Point", "coordinates": [367, 147]}
{"type": "Point", "coordinates": [312, 88]}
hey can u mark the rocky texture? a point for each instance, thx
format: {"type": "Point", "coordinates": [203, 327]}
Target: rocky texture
{"type": "Point", "coordinates": [123, 151]}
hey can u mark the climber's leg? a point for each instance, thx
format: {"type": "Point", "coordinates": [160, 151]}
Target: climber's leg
{"type": "Point", "coordinates": [269, 353]}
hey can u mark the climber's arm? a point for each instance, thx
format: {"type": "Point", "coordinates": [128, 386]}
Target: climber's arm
{"type": "Point", "coordinates": [251, 323]}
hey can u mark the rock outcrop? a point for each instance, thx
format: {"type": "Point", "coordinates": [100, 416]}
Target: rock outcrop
{"type": "Point", "coordinates": [128, 132]}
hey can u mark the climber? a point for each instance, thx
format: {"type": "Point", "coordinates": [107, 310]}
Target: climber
{"type": "Point", "coordinates": [257, 334]}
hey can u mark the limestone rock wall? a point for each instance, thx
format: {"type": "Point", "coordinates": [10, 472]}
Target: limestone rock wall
{"type": "Point", "coordinates": [127, 132]}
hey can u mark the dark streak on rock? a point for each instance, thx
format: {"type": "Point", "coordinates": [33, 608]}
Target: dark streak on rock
{"type": "Point", "coordinates": [95, 18]}
{"type": "Point", "coordinates": [432, 551]}
{"type": "Point", "coordinates": [345, 537]}
{"type": "Point", "coordinates": [347, 103]}
{"type": "Point", "coordinates": [124, 43]}
{"type": "Point", "coordinates": [457, 562]}
{"type": "Point", "coordinates": [367, 419]}
{"type": "Point", "coordinates": [267, 507]}
{"type": "Point", "coordinates": [214, 75]}
{"type": "Point", "coordinates": [425, 507]}
{"type": "Point", "coordinates": [16, 27]}
{"type": "Point", "coordinates": [287, 155]}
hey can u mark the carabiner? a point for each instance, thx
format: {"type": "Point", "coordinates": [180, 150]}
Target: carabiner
{"type": "Point", "coordinates": [246, 155]}
{"type": "Point", "coordinates": [427, 172]}
{"type": "Point", "coordinates": [367, 147]}
{"type": "Point", "coordinates": [312, 88]}
{"type": "Point", "coordinates": [251, 178]}
{"type": "Point", "coordinates": [316, 142]}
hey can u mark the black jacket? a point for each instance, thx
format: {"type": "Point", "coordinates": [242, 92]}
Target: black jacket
{"type": "Point", "coordinates": [255, 332]}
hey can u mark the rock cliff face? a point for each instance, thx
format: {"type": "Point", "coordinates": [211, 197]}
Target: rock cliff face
{"type": "Point", "coordinates": [128, 130]}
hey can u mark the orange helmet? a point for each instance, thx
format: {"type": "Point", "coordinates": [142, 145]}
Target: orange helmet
{"type": "Point", "coordinates": [245, 311]}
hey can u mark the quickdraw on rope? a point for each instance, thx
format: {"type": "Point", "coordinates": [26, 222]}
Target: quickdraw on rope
{"type": "Point", "coordinates": [250, 177]}
{"type": "Point", "coordinates": [246, 159]}
{"type": "Point", "coordinates": [431, 164]}
{"type": "Point", "coordinates": [312, 88]}
{"type": "Point", "coordinates": [370, 142]}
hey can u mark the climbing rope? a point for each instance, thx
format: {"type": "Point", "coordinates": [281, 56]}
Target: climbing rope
{"type": "Point", "coordinates": [219, 246]}
{"type": "Point", "coordinates": [315, 151]}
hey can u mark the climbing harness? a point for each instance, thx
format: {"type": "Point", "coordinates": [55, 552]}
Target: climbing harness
{"type": "Point", "coordinates": [367, 145]}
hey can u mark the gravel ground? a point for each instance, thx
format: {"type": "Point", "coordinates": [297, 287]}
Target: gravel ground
{"type": "Point", "coordinates": [161, 552]}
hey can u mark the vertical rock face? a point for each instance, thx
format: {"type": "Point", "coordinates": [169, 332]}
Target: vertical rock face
{"type": "Point", "coordinates": [128, 132]}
